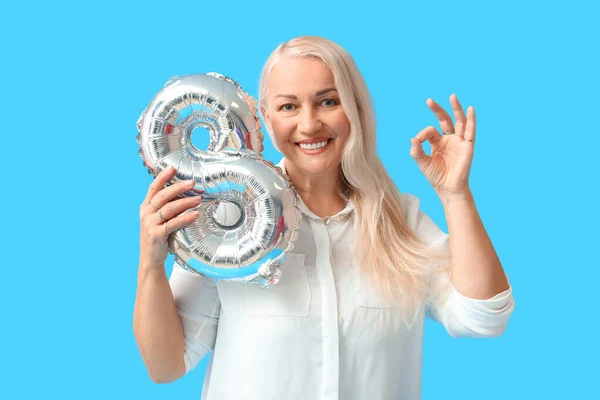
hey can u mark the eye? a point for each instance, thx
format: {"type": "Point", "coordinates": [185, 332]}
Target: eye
{"type": "Point", "coordinates": [329, 102]}
{"type": "Point", "coordinates": [286, 107]}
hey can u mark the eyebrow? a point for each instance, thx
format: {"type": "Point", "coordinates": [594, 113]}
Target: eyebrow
{"type": "Point", "coordinates": [319, 93]}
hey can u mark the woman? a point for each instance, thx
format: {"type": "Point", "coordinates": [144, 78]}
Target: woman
{"type": "Point", "coordinates": [346, 319]}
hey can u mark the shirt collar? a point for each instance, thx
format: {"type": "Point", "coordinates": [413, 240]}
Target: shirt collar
{"type": "Point", "coordinates": [342, 214]}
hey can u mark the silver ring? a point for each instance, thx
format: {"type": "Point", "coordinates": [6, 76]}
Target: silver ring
{"type": "Point", "coordinates": [161, 216]}
{"type": "Point", "coordinates": [167, 229]}
{"type": "Point", "coordinates": [469, 140]}
{"type": "Point", "coordinates": [150, 204]}
{"type": "Point", "coordinates": [450, 132]}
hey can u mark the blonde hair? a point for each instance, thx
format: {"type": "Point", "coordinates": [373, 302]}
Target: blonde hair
{"type": "Point", "coordinates": [389, 254]}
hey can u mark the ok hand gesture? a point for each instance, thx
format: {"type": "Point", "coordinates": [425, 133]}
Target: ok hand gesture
{"type": "Point", "coordinates": [448, 166]}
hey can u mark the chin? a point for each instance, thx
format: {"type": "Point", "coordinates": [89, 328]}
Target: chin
{"type": "Point", "coordinates": [315, 165]}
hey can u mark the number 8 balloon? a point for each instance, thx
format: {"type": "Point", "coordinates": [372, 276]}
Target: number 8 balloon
{"type": "Point", "coordinates": [249, 217]}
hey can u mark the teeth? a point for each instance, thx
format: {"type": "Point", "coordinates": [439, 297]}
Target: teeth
{"type": "Point", "coordinates": [313, 146]}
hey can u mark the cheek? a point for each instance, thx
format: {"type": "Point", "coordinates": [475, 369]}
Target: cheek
{"type": "Point", "coordinates": [282, 129]}
{"type": "Point", "coordinates": [342, 127]}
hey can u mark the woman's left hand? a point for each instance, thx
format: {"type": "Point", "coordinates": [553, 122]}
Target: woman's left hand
{"type": "Point", "coordinates": [448, 166]}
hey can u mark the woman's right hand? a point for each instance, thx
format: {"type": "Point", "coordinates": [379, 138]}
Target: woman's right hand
{"type": "Point", "coordinates": [160, 214]}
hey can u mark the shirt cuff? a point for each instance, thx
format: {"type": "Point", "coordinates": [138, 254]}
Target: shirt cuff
{"type": "Point", "coordinates": [484, 317]}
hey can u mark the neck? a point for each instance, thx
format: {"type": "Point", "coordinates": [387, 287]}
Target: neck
{"type": "Point", "coordinates": [319, 192]}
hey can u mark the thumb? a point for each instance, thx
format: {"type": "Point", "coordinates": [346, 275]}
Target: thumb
{"type": "Point", "coordinates": [417, 152]}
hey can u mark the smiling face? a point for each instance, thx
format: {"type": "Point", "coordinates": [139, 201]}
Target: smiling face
{"type": "Point", "coordinates": [304, 113]}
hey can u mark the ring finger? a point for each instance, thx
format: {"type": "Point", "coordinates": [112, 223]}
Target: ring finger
{"type": "Point", "coordinates": [176, 207]}
{"type": "Point", "coordinates": [178, 222]}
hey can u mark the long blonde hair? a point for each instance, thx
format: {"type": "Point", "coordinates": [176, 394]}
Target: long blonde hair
{"type": "Point", "coordinates": [389, 254]}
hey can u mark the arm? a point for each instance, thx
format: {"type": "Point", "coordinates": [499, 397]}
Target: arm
{"type": "Point", "coordinates": [480, 301]}
{"type": "Point", "coordinates": [461, 315]}
{"type": "Point", "coordinates": [175, 322]}
{"type": "Point", "coordinates": [157, 326]}
{"type": "Point", "coordinates": [476, 269]}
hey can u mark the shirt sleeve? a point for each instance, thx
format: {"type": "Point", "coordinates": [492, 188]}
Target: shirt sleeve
{"type": "Point", "coordinates": [460, 315]}
{"type": "Point", "coordinates": [199, 307]}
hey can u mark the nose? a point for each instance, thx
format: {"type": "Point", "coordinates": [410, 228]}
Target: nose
{"type": "Point", "coordinates": [309, 121]}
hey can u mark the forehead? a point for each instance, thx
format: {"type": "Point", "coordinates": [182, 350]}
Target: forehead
{"type": "Point", "coordinates": [299, 75]}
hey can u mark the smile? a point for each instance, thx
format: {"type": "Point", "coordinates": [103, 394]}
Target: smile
{"type": "Point", "coordinates": [315, 147]}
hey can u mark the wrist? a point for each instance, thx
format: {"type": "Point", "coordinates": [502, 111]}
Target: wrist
{"type": "Point", "coordinates": [150, 265]}
{"type": "Point", "coordinates": [464, 196]}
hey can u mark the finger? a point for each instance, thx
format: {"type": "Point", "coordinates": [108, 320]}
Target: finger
{"type": "Point", "coordinates": [178, 222]}
{"type": "Point", "coordinates": [159, 182]}
{"type": "Point", "coordinates": [176, 207]}
{"type": "Point", "coordinates": [431, 134]}
{"type": "Point", "coordinates": [441, 114]}
{"type": "Point", "coordinates": [170, 192]}
{"type": "Point", "coordinates": [471, 124]}
{"type": "Point", "coordinates": [459, 115]}
{"type": "Point", "coordinates": [417, 152]}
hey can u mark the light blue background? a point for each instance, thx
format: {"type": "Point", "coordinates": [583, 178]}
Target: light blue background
{"type": "Point", "coordinates": [76, 76]}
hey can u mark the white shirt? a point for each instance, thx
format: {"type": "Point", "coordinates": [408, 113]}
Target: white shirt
{"type": "Point", "coordinates": [322, 332]}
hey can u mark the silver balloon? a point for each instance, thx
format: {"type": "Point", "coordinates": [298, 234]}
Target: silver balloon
{"type": "Point", "coordinates": [248, 217]}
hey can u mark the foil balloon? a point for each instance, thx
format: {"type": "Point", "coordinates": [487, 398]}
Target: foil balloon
{"type": "Point", "coordinates": [248, 217]}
